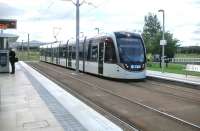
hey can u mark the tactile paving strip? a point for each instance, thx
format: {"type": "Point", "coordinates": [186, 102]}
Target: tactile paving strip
{"type": "Point", "coordinates": [68, 122]}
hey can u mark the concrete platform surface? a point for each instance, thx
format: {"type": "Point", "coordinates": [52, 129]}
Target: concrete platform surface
{"type": "Point", "coordinates": [175, 77]}
{"type": "Point", "coordinates": [21, 108]}
{"type": "Point", "coordinates": [31, 102]}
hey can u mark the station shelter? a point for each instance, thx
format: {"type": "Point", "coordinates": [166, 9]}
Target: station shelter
{"type": "Point", "coordinates": [5, 40]}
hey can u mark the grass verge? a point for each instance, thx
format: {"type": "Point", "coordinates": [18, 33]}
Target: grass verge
{"type": "Point", "coordinates": [172, 68]}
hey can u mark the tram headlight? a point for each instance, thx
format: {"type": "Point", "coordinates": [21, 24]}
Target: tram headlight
{"type": "Point", "coordinates": [134, 67]}
{"type": "Point", "coordinates": [143, 66]}
{"type": "Point", "coordinates": [126, 66]}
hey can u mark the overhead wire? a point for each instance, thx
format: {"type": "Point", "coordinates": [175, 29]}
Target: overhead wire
{"type": "Point", "coordinates": [91, 12]}
{"type": "Point", "coordinates": [44, 10]}
{"type": "Point", "coordinates": [95, 6]}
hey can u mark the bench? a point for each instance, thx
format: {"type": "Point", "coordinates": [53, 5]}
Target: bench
{"type": "Point", "coordinates": [192, 68]}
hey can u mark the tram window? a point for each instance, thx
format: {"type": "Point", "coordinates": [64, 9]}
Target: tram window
{"type": "Point", "coordinates": [81, 55]}
{"type": "Point", "coordinates": [70, 52]}
{"type": "Point", "coordinates": [89, 52]}
{"type": "Point", "coordinates": [94, 53]}
{"type": "Point", "coordinates": [60, 52]}
{"type": "Point", "coordinates": [110, 55]}
{"type": "Point", "coordinates": [81, 51]}
{"type": "Point", "coordinates": [73, 52]}
{"type": "Point", "coordinates": [85, 54]}
{"type": "Point", "coordinates": [65, 52]}
{"type": "Point", "coordinates": [45, 51]}
{"type": "Point", "coordinates": [41, 51]}
{"type": "Point", "coordinates": [48, 51]}
{"type": "Point", "coordinates": [53, 52]}
{"type": "Point", "coordinates": [73, 55]}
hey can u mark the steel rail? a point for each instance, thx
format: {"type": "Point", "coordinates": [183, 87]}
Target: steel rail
{"type": "Point", "coordinates": [132, 101]}
{"type": "Point", "coordinates": [133, 127]}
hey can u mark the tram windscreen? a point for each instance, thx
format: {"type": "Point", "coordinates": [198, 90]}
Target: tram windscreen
{"type": "Point", "coordinates": [131, 49]}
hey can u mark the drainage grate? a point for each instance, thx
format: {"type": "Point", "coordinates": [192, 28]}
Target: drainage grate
{"type": "Point", "coordinates": [35, 124]}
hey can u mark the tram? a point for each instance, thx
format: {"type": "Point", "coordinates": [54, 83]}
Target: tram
{"type": "Point", "coordinates": [120, 55]}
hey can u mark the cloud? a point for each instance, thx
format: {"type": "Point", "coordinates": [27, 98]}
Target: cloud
{"type": "Point", "coordinates": [7, 11]}
{"type": "Point", "coordinates": [196, 39]}
{"type": "Point", "coordinates": [42, 16]}
{"type": "Point", "coordinates": [197, 2]}
{"type": "Point", "coordinates": [197, 29]}
{"type": "Point", "coordinates": [197, 32]}
{"type": "Point", "coordinates": [198, 25]}
{"type": "Point", "coordinates": [51, 11]}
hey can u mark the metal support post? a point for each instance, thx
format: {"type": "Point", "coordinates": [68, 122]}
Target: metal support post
{"type": "Point", "coordinates": [97, 30]}
{"type": "Point", "coordinates": [78, 4]}
{"type": "Point", "coordinates": [163, 43]}
{"type": "Point", "coordinates": [22, 50]}
{"type": "Point", "coordinates": [77, 36]}
{"type": "Point", "coordinates": [28, 47]}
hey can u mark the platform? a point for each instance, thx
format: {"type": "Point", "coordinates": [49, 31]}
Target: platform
{"type": "Point", "coordinates": [188, 79]}
{"type": "Point", "coordinates": [31, 102]}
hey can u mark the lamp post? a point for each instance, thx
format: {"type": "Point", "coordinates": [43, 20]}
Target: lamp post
{"type": "Point", "coordinates": [28, 42]}
{"type": "Point", "coordinates": [163, 41]}
{"type": "Point", "coordinates": [81, 34]}
{"type": "Point", "coordinates": [78, 4]}
{"type": "Point", "coordinates": [77, 35]}
{"type": "Point", "coordinates": [22, 49]}
{"type": "Point", "coordinates": [97, 30]}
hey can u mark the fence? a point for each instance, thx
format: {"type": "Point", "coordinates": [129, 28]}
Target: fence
{"type": "Point", "coordinates": [184, 60]}
{"type": "Point", "coordinates": [28, 55]}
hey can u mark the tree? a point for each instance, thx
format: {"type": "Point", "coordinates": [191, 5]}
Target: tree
{"type": "Point", "coordinates": [152, 35]}
{"type": "Point", "coordinates": [172, 45]}
{"type": "Point", "coordinates": [151, 29]}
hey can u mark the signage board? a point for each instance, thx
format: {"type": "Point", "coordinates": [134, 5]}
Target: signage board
{"type": "Point", "coordinates": [163, 42]}
{"type": "Point", "coordinates": [8, 24]}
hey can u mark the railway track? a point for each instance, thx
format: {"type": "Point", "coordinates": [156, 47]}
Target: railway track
{"type": "Point", "coordinates": [170, 90]}
{"type": "Point", "coordinates": [131, 110]}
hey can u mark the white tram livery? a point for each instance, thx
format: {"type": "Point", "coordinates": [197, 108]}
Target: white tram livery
{"type": "Point", "coordinates": [120, 55]}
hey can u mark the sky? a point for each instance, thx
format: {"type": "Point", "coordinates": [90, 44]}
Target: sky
{"type": "Point", "coordinates": [44, 19]}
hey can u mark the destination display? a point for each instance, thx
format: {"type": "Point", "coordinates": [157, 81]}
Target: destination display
{"type": "Point", "coordinates": [8, 24]}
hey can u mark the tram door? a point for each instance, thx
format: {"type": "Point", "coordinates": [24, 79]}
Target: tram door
{"type": "Point", "coordinates": [66, 54]}
{"type": "Point", "coordinates": [57, 54]}
{"type": "Point", "coordinates": [70, 57]}
{"type": "Point", "coordinates": [100, 60]}
{"type": "Point", "coordinates": [84, 55]}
